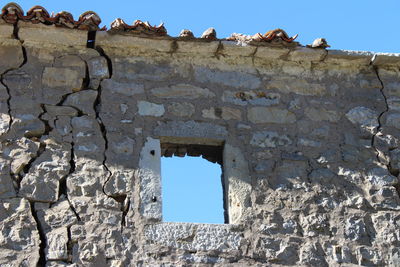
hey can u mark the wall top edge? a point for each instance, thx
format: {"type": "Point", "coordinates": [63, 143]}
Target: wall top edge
{"type": "Point", "coordinates": [34, 34]}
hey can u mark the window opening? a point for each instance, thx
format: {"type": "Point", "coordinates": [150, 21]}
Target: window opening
{"type": "Point", "coordinates": [192, 183]}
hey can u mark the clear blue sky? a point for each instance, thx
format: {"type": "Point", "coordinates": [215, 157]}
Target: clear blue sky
{"type": "Point", "coordinates": [367, 25]}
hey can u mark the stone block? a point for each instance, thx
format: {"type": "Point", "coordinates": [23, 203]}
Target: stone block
{"type": "Point", "coordinates": [98, 68]}
{"type": "Point", "coordinates": [6, 184]}
{"type": "Point", "coordinates": [135, 44]}
{"type": "Point", "coordinates": [150, 179]}
{"type": "Point", "coordinates": [62, 77]}
{"type": "Point", "coordinates": [150, 109]}
{"type": "Point", "coordinates": [204, 237]}
{"type": "Point", "coordinates": [270, 139]}
{"type": "Point", "coordinates": [365, 118]}
{"type": "Point", "coordinates": [186, 91]}
{"type": "Point", "coordinates": [57, 241]}
{"type": "Point", "coordinates": [235, 79]}
{"type": "Point", "coordinates": [40, 35]}
{"type": "Point", "coordinates": [297, 86]}
{"type": "Point", "coordinates": [197, 47]}
{"type": "Point", "coordinates": [11, 55]}
{"type": "Point", "coordinates": [225, 113]}
{"type": "Point", "coordinates": [27, 125]}
{"type": "Point", "coordinates": [393, 119]}
{"type": "Point", "coordinates": [191, 129]}
{"type": "Point", "coordinates": [259, 98]}
{"type": "Point", "coordinates": [125, 89]}
{"type": "Point", "coordinates": [237, 49]}
{"type": "Point", "coordinates": [269, 53]}
{"type": "Point", "coordinates": [83, 101]}
{"type": "Point", "coordinates": [307, 54]}
{"type": "Point", "coordinates": [270, 115]}
{"type": "Point", "coordinates": [322, 114]}
{"type": "Point", "coordinates": [181, 109]}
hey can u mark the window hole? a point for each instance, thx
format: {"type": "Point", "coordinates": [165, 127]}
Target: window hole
{"type": "Point", "coordinates": [192, 184]}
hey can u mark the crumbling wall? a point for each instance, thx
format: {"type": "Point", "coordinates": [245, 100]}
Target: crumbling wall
{"type": "Point", "coordinates": [311, 150]}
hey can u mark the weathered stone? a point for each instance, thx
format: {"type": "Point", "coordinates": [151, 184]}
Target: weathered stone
{"type": "Point", "coordinates": [308, 142]}
{"type": "Point", "coordinates": [270, 115]}
{"type": "Point", "coordinates": [11, 54]}
{"type": "Point", "coordinates": [62, 77]}
{"type": "Point", "coordinates": [55, 111]}
{"type": "Point", "coordinates": [150, 109]}
{"type": "Point", "coordinates": [224, 113]}
{"type": "Point", "coordinates": [19, 237]}
{"type": "Point", "coordinates": [299, 181]}
{"type": "Point", "coordinates": [6, 185]}
{"type": "Point", "coordinates": [191, 129]}
{"type": "Point", "coordinates": [186, 91]}
{"type": "Point", "coordinates": [150, 178]}
{"type": "Point", "coordinates": [307, 54]}
{"type": "Point", "coordinates": [364, 117]}
{"type": "Point", "coordinates": [41, 183]}
{"type": "Point", "coordinates": [28, 125]}
{"type": "Point", "coordinates": [322, 114]}
{"type": "Point", "coordinates": [270, 139]}
{"type": "Point", "coordinates": [181, 109]}
{"type": "Point", "coordinates": [236, 174]}
{"type": "Point", "coordinates": [83, 101]}
{"type": "Point", "coordinates": [56, 248]}
{"type": "Point", "coordinates": [194, 236]}
{"type": "Point", "coordinates": [297, 86]}
{"type": "Point", "coordinates": [126, 89]}
{"type": "Point", "coordinates": [260, 98]}
{"type": "Point", "coordinates": [381, 177]}
{"type": "Point", "coordinates": [369, 256]}
{"type": "Point", "coordinates": [355, 229]}
{"type": "Point", "coordinates": [393, 120]}
{"type": "Point", "coordinates": [233, 79]}
{"type": "Point", "coordinates": [98, 68]}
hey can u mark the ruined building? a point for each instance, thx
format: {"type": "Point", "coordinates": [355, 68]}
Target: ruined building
{"type": "Point", "coordinates": [308, 140]}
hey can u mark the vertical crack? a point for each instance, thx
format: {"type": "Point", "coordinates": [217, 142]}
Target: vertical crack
{"type": "Point", "coordinates": [25, 59]}
{"type": "Point", "coordinates": [378, 130]}
{"type": "Point", "coordinates": [122, 199]}
{"type": "Point", "coordinates": [63, 182]}
{"type": "Point", "coordinates": [42, 236]}
{"type": "Point", "coordinates": [70, 245]}
{"type": "Point", "coordinates": [109, 62]}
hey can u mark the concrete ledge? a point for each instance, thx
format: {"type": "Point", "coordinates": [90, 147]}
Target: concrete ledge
{"type": "Point", "coordinates": [41, 35]}
{"type": "Point", "coordinates": [381, 59]}
{"type": "Point", "coordinates": [350, 57]}
{"type": "Point", "coordinates": [105, 39]}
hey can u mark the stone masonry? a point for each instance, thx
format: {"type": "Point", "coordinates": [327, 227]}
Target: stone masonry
{"type": "Point", "coordinates": [310, 142]}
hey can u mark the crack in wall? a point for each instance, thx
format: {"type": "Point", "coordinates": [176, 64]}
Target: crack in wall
{"type": "Point", "coordinates": [42, 236]}
{"type": "Point", "coordinates": [379, 128]}
{"type": "Point", "coordinates": [122, 199]}
{"type": "Point", "coordinates": [25, 59]}
{"type": "Point", "coordinates": [63, 182]}
{"type": "Point", "coordinates": [379, 154]}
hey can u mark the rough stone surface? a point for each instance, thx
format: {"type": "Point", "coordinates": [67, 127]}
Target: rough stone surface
{"type": "Point", "coordinates": [182, 91]}
{"type": "Point", "coordinates": [150, 109]}
{"type": "Point", "coordinates": [308, 141]}
{"type": "Point", "coordinates": [270, 115]}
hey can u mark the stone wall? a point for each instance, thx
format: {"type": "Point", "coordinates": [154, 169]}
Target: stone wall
{"type": "Point", "coordinates": [310, 143]}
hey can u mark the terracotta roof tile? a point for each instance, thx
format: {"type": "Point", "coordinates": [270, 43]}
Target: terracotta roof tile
{"type": "Point", "coordinates": [90, 21]}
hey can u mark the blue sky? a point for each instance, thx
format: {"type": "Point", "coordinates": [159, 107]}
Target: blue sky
{"type": "Point", "coordinates": [351, 25]}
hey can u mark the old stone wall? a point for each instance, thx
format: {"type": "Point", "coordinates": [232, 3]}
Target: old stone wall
{"type": "Point", "coordinates": [310, 143]}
